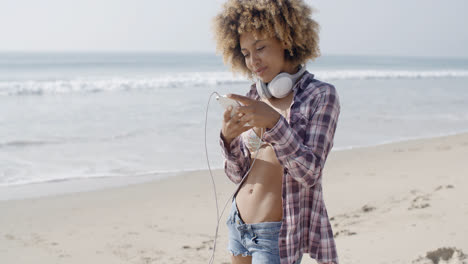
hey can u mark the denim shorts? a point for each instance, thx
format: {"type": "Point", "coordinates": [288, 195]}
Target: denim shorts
{"type": "Point", "coordinates": [259, 240]}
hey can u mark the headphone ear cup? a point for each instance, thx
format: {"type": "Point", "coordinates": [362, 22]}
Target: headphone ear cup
{"type": "Point", "coordinates": [281, 85]}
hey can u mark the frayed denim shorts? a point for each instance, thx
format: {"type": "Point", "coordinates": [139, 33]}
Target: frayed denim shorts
{"type": "Point", "coordinates": [259, 240]}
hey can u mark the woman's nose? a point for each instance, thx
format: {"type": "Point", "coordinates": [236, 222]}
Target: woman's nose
{"type": "Point", "coordinates": [254, 59]}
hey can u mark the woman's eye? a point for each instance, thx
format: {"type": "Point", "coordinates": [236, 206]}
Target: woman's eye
{"type": "Point", "coordinates": [261, 48]}
{"type": "Point", "coordinates": [246, 55]}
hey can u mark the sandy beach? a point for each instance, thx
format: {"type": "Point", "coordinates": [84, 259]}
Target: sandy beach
{"type": "Point", "coordinates": [395, 203]}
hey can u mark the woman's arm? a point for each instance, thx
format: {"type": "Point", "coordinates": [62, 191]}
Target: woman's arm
{"type": "Point", "coordinates": [236, 155]}
{"type": "Point", "coordinates": [236, 158]}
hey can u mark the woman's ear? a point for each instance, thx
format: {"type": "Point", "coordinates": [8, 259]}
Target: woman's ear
{"type": "Point", "coordinates": [284, 45]}
{"type": "Point", "coordinates": [288, 53]}
{"type": "Point", "coordinates": [287, 49]}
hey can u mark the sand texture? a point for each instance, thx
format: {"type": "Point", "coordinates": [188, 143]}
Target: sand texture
{"type": "Point", "coordinates": [396, 203]}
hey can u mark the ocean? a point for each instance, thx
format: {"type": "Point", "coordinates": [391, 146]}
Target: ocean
{"type": "Point", "coordinates": [80, 121]}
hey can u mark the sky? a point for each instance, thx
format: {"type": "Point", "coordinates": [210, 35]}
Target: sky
{"type": "Point", "coordinates": [359, 27]}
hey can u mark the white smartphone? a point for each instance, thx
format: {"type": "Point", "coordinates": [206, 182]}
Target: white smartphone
{"type": "Point", "coordinates": [225, 102]}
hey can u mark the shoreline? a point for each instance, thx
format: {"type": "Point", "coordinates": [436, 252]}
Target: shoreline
{"type": "Point", "coordinates": [77, 185]}
{"type": "Point", "coordinates": [376, 197]}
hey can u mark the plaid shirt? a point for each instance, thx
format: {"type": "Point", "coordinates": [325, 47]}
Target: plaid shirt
{"type": "Point", "coordinates": [302, 147]}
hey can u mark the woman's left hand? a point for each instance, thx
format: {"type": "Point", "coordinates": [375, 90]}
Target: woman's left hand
{"type": "Point", "coordinates": [256, 113]}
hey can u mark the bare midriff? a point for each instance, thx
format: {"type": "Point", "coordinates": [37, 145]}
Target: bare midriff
{"type": "Point", "coordinates": [259, 199]}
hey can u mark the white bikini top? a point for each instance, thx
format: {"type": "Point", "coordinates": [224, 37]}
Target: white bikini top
{"type": "Point", "coordinates": [252, 141]}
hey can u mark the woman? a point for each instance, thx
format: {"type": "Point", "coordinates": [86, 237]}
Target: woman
{"type": "Point", "coordinates": [286, 124]}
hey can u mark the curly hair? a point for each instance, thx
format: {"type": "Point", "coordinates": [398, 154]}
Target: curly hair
{"type": "Point", "coordinates": [288, 20]}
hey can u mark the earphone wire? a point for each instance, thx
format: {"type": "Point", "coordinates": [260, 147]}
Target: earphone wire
{"type": "Point", "coordinates": [244, 177]}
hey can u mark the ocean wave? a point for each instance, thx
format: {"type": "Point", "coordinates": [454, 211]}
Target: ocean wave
{"type": "Point", "coordinates": [26, 143]}
{"type": "Point", "coordinates": [152, 174]}
{"type": "Point", "coordinates": [176, 80]}
{"type": "Point", "coordinates": [195, 79]}
{"type": "Point", "coordinates": [389, 74]}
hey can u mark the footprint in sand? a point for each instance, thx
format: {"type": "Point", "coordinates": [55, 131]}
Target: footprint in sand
{"type": "Point", "coordinates": [342, 222]}
{"type": "Point", "coordinates": [367, 208]}
{"type": "Point", "coordinates": [64, 256]}
{"type": "Point", "coordinates": [443, 148]}
{"type": "Point", "coordinates": [421, 201]}
{"type": "Point", "coordinates": [126, 246]}
{"type": "Point", "coordinates": [133, 233]}
{"type": "Point", "coordinates": [415, 149]}
{"type": "Point", "coordinates": [204, 244]}
{"type": "Point", "coordinates": [344, 232]}
{"type": "Point", "coordinates": [440, 187]}
{"type": "Point", "coordinates": [9, 237]}
{"type": "Point", "coordinates": [442, 256]}
{"type": "Point", "coordinates": [148, 260]}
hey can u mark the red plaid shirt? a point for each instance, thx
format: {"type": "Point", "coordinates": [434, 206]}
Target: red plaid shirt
{"type": "Point", "coordinates": [302, 147]}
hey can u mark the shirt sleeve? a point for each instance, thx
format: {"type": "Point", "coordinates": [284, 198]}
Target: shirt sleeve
{"type": "Point", "coordinates": [236, 158]}
{"type": "Point", "coordinates": [304, 157]}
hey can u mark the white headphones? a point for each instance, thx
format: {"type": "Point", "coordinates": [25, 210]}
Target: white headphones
{"type": "Point", "coordinates": [280, 86]}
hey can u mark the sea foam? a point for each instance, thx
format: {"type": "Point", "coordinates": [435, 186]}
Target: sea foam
{"type": "Point", "coordinates": [196, 79]}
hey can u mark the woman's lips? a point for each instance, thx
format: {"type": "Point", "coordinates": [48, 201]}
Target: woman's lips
{"type": "Point", "coordinates": [260, 71]}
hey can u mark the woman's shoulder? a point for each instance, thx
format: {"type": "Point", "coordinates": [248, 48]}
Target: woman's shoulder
{"type": "Point", "coordinates": [313, 86]}
{"type": "Point", "coordinates": [313, 91]}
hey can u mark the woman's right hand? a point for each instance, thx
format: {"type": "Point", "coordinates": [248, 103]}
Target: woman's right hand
{"type": "Point", "coordinates": [233, 126]}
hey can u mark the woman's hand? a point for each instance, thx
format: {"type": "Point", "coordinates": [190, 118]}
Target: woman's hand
{"type": "Point", "coordinates": [255, 113]}
{"type": "Point", "coordinates": [233, 126]}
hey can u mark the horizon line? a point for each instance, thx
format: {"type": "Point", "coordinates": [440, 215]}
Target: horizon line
{"type": "Point", "coordinates": [461, 57]}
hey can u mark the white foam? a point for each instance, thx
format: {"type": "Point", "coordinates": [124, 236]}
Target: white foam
{"type": "Point", "coordinates": [389, 74]}
{"type": "Point", "coordinates": [117, 83]}
{"type": "Point", "coordinates": [195, 79]}
{"type": "Point", "coordinates": [19, 181]}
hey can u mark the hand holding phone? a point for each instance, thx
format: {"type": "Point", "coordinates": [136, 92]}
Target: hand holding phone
{"type": "Point", "coordinates": [225, 102]}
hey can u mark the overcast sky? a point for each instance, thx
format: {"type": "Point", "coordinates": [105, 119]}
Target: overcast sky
{"type": "Point", "coordinates": [370, 27]}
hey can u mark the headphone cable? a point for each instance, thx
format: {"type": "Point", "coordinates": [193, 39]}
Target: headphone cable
{"type": "Point", "coordinates": [218, 216]}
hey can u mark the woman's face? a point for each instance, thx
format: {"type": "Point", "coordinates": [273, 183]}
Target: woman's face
{"type": "Point", "coordinates": [264, 57]}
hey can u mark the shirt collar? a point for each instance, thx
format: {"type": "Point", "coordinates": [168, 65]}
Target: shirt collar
{"type": "Point", "coordinates": [300, 83]}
